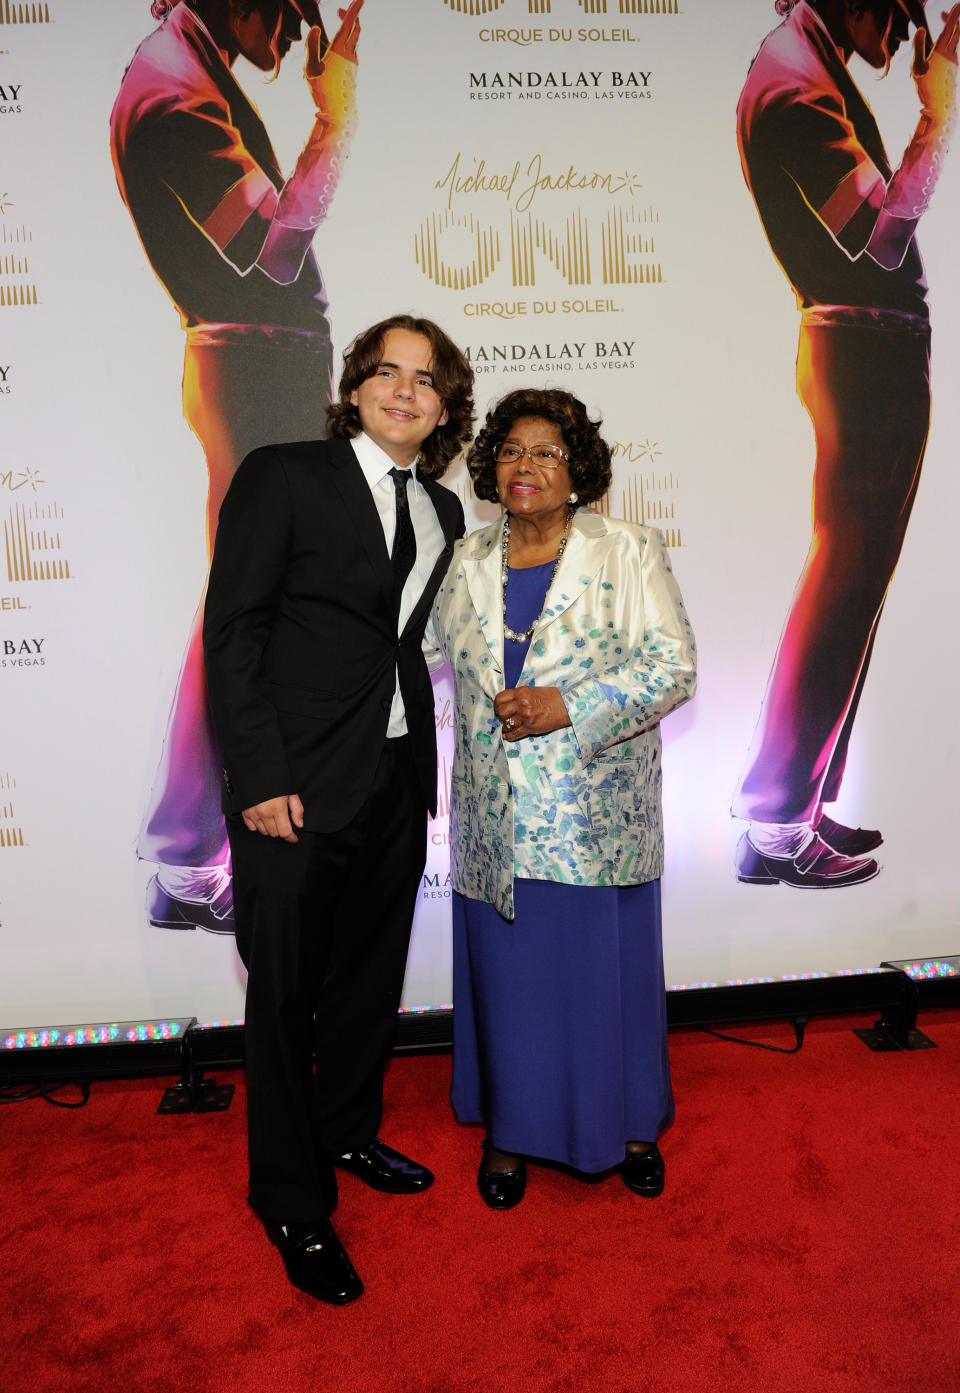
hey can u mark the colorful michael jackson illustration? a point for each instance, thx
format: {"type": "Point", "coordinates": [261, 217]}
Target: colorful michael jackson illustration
{"type": "Point", "coordinates": [841, 224]}
{"type": "Point", "coordinates": [230, 239]}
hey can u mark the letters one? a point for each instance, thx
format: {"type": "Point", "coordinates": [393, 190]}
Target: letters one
{"type": "Point", "coordinates": [447, 248]}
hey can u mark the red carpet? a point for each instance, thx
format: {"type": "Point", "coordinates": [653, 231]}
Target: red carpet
{"type": "Point", "coordinates": [808, 1239]}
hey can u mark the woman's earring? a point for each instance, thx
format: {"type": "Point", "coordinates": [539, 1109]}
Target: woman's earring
{"type": "Point", "coordinates": [573, 498]}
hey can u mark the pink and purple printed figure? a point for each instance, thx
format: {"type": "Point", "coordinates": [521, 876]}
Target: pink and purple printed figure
{"type": "Point", "coordinates": [841, 223]}
{"type": "Point", "coordinates": [231, 241]}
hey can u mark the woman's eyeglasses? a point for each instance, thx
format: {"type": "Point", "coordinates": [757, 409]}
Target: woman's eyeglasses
{"type": "Point", "coordinates": [543, 456]}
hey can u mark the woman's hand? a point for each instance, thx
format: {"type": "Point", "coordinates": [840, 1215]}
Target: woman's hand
{"type": "Point", "coordinates": [525, 711]}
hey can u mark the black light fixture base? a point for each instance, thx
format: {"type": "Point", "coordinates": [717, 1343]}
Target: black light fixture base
{"type": "Point", "coordinates": [202, 1095]}
{"type": "Point", "coordinates": [195, 1092]}
{"type": "Point", "coordinates": [883, 1040]}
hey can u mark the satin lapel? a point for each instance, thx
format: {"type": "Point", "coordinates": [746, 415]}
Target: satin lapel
{"type": "Point", "coordinates": [588, 547]}
{"type": "Point", "coordinates": [361, 511]}
{"type": "Point", "coordinates": [449, 516]}
{"type": "Point", "coordinates": [449, 513]}
{"type": "Point", "coordinates": [481, 570]}
{"type": "Point", "coordinates": [428, 594]}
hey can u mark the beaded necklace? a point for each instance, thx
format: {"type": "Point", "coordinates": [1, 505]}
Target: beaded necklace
{"type": "Point", "coordinates": [505, 566]}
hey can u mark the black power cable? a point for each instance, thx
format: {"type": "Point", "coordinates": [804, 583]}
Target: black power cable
{"type": "Point", "coordinates": [45, 1089]}
{"type": "Point", "coordinates": [799, 1027]}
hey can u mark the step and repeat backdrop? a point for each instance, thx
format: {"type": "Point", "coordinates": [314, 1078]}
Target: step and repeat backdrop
{"type": "Point", "coordinates": [558, 183]}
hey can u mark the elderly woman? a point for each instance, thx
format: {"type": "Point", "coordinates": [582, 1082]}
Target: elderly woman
{"type": "Point", "coordinates": [569, 641]}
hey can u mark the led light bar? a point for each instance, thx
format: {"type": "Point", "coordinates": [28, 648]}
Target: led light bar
{"type": "Point", "coordinates": [119, 1048]}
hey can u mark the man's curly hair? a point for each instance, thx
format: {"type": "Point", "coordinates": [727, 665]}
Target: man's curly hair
{"type": "Point", "coordinates": [589, 462]}
{"type": "Point", "coordinates": [452, 378]}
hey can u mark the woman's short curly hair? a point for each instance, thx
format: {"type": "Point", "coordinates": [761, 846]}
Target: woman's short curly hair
{"type": "Point", "coordinates": [589, 462]}
{"type": "Point", "coordinates": [452, 377]}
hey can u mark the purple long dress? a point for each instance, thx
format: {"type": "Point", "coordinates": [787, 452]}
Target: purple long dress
{"type": "Point", "coordinates": [559, 1024]}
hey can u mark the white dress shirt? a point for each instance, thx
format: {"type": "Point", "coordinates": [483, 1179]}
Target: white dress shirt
{"type": "Point", "coordinates": [376, 465]}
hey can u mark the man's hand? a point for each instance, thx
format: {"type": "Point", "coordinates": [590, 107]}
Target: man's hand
{"type": "Point", "coordinates": [344, 43]}
{"type": "Point", "coordinates": [276, 817]}
{"type": "Point", "coordinates": [345, 39]}
{"type": "Point", "coordinates": [530, 711]}
{"type": "Point", "coordinates": [935, 72]}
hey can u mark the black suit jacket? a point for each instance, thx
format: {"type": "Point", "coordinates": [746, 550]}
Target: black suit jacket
{"type": "Point", "coordinates": [299, 639]}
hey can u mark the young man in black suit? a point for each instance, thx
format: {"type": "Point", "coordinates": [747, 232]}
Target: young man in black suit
{"type": "Point", "coordinates": [327, 560]}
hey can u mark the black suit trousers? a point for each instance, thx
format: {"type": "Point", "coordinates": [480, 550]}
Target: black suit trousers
{"type": "Point", "coordinates": [323, 927]}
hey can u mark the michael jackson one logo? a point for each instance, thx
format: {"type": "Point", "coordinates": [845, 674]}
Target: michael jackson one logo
{"type": "Point", "coordinates": [32, 544]}
{"type": "Point", "coordinates": [647, 494]}
{"type": "Point", "coordinates": [16, 285]}
{"type": "Point", "coordinates": [13, 13]}
{"type": "Point", "coordinates": [10, 833]}
{"type": "Point", "coordinates": [519, 233]}
{"type": "Point", "coordinates": [546, 7]}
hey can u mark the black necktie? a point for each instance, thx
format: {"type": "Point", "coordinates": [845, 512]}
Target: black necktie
{"type": "Point", "coordinates": [404, 538]}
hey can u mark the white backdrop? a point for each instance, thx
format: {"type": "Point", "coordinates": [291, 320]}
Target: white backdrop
{"type": "Point", "coordinates": [494, 155]}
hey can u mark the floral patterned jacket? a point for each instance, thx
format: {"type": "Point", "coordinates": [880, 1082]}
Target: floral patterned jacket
{"type": "Point", "coordinates": [580, 805]}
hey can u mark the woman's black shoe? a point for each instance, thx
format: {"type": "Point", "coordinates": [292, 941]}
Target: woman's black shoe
{"type": "Point", "coordinates": [643, 1172]}
{"type": "Point", "coordinates": [504, 1189]}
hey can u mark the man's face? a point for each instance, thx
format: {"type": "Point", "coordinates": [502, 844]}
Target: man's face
{"type": "Point", "coordinates": [878, 30]}
{"type": "Point", "coordinates": [265, 30]}
{"type": "Point", "coordinates": [398, 405]}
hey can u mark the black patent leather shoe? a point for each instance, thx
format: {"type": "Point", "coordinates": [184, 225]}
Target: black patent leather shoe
{"type": "Point", "coordinates": [316, 1261]}
{"type": "Point", "coordinates": [501, 1189]}
{"type": "Point", "coordinates": [816, 867]}
{"type": "Point", "coordinates": [643, 1172]}
{"type": "Point", "coordinates": [849, 841]}
{"type": "Point", "coordinates": [382, 1168]}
